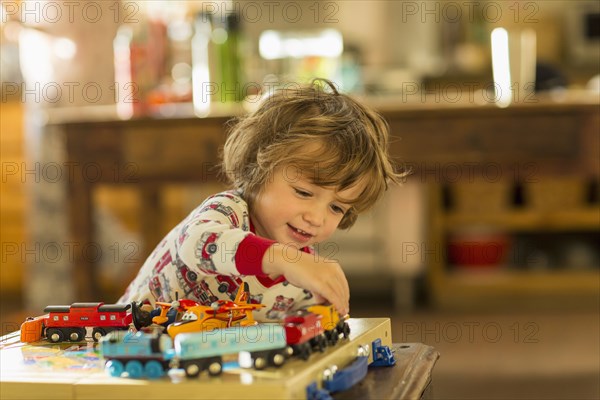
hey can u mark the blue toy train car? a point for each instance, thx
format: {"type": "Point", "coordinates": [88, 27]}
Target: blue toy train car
{"type": "Point", "coordinates": [257, 346]}
{"type": "Point", "coordinates": [138, 354]}
{"type": "Point", "coordinates": [150, 355]}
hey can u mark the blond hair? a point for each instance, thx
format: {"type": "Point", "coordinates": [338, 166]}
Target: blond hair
{"type": "Point", "coordinates": [352, 144]}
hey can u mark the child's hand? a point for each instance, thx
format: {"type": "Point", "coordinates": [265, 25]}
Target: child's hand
{"type": "Point", "coordinates": [323, 277]}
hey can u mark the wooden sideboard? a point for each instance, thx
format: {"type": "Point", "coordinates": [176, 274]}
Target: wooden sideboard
{"type": "Point", "coordinates": [435, 141]}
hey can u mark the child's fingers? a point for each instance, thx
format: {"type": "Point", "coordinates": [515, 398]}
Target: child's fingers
{"type": "Point", "coordinates": [346, 290]}
{"type": "Point", "coordinates": [343, 289]}
{"type": "Point", "coordinates": [339, 286]}
{"type": "Point", "coordinates": [318, 298]}
{"type": "Point", "coordinates": [334, 297]}
{"type": "Point", "coordinates": [340, 299]}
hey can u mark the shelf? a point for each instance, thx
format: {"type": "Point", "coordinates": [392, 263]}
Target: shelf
{"type": "Point", "coordinates": [558, 280]}
{"type": "Point", "coordinates": [520, 288]}
{"type": "Point", "coordinates": [529, 220]}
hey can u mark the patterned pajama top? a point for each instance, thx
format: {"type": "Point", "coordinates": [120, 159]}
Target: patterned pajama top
{"type": "Point", "coordinates": [206, 257]}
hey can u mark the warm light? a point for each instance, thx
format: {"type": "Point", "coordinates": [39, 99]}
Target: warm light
{"type": "Point", "coordinates": [246, 378]}
{"type": "Point", "coordinates": [528, 60]}
{"type": "Point", "coordinates": [274, 45]}
{"type": "Point", "coordinates": [219, 36]}
{"type": "Point", "coordinates": [201, 95]}
{"type": "Point", "coordinates": [179, 31]}
{"type": "Point", "coordinates": [245, 359]}
{"type": "Point", "coordinates": [64, 48]}
{"type": "Point", "coordinates": [36, 56]}
{"type": "Point", "coordinates": [270, 46]}
{"type": "Point", "coordinates": [181, 72]}
{"type": "Point", "coordinates": [501, 67]}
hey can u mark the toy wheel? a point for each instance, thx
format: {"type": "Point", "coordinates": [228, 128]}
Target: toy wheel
{"type": "Point", "coordinates": [260, 362]}
{"type": "Point", "coordinates": [134, 369]}
{"type": "Point", "coordinates": [192, 370]}
{"type": "Point", "coordinates": [55, 335]}
{"type": "Point", "coordinates": [97, 333]}
{"type": "Point", "coordinates": [332, 335]}
{"type": "Point", "coordinates": [114, 368]}
{"type": "Point", "coordinates": [289, 351]}
{"type": "Point", "coordinates": [304, 351]}
{"type": "Point", "coordinates": [322, 342]}
{"type": "Point", "coordinates": [215, 368]}
{"type": "Point", "coordinates": [153, 369]}
{"type": "Point", "coordinates": [277, 359]}
{"type": "Point", "coordinates": [77, 335]}
{"type": "Point", "coordinates": [346, 330]}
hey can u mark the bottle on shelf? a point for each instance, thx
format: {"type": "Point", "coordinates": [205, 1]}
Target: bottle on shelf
{"type": "Point", "coordinates": [202, 87]}
{"type": "Point", "coordinates": [217, 71]}
{"type": "Point", "coordinates": [139, 60]}
{"type": "Point", "coordinates": [227, 44]}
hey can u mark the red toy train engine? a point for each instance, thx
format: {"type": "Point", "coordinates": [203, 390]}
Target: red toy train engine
{"type": "Point", "coordinates": [63, 323]}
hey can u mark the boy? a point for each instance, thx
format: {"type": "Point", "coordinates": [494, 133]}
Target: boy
{"type": "Point", "coordinates": [304, 164]}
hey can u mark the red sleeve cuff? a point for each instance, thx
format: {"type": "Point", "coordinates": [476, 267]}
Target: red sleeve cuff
{"type": "Point", "coordinates": [250, 253]}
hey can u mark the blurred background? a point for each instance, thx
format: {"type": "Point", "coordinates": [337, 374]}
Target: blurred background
{"type": "Point", "coordinates": [113, 113]}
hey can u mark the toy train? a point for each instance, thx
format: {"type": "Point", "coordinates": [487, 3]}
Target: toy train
{"type": "Point", "coordinates": [149, 354]}
{"type": "Point", "coordinates": [316, 327]}
{"type": "Point", "coordinates": [197, 342]}
{"type": "Point", "coordinates": [139, 354]}
{"type": "Point", "coordinates": [70, 323]}
{"type": "Point", "coordinates": [257, 346]}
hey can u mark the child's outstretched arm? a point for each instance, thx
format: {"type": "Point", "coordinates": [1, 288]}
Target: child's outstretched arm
{"type": "Point", "coordinates": [210, 238]}
{"type": "Point", "coordinates": [323, 277]}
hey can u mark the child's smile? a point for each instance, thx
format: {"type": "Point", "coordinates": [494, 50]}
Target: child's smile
{"type": "Point", "coordinates": [299, 235]}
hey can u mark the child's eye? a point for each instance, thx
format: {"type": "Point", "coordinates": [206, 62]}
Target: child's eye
{"type": "Point", "coordinates": [302, 193]}
{"type": "Point", "coordinates": [337, 209]}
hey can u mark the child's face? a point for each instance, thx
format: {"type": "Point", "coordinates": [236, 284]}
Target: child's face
{"type": "Point", "coordinates": [292, 210]}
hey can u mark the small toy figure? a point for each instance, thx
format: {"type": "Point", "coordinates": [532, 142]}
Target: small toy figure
{"type": "Point", "coordinates": [164, 314]}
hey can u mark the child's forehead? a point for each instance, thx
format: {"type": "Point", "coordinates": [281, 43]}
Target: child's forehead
{"type": "Point", "coordinates": [353, 193]}
{"type": "Point", "coordinates": [348, 195]}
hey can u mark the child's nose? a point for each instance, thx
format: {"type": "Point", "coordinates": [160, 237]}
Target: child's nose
{"type": "Point", "coordinates": [314, 217]}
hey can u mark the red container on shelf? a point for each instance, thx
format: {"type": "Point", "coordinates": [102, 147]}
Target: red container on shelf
{"type": "Point", "coordinates": [478, 249]}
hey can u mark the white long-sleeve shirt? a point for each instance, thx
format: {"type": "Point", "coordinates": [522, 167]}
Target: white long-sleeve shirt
{"type": "Point", "coordinates": [208, 255]}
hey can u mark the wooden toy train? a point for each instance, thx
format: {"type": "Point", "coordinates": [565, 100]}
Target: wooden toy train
{"type": "Point", "coordinates": [148, 354]}
{"type": "Point", "coordinates": [70, 323]}
{"type": "Point", "coordinates": [257, 346]}
{"type": "Point", "coordinates": [198, 341]}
